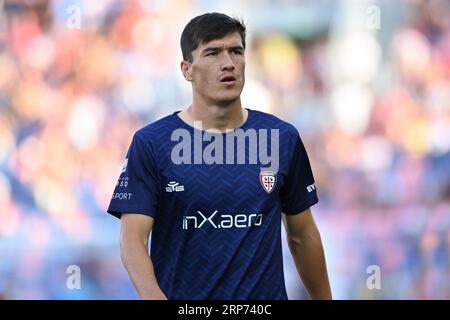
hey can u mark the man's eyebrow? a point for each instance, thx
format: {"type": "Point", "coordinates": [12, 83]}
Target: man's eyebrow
{"type": "Point", "coordinates": [211, 49]}
{"type": "Point", "coordinates": [221, 48]}
{"type": "Point", "coordinates": [237, 47]}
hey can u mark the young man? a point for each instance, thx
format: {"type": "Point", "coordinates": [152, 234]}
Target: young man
{"type": "Point", "coordinates": [213, 207]}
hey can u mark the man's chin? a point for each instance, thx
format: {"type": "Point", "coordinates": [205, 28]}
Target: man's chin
{"type": "Point", "coordinates": [227, 99]}
{"type": "Point", "coordinates": [226, 102]}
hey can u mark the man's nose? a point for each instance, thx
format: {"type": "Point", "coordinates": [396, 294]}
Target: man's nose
{"type": "Point", "coordinates": [227, 62]}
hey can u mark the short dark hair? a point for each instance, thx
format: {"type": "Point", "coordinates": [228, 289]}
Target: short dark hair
{"type": "Point", "coordinates": [208, 27]}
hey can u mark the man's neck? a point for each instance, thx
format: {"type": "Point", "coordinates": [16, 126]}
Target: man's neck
{"type": "Point", "coordinates": [217, 117]}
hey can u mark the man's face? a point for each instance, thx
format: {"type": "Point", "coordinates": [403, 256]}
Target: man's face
{"type": "Point", "coordinates": [217, 70]}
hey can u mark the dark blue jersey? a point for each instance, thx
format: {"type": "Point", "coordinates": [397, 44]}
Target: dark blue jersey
{"type": "Point", "coordinates": [217, 229]}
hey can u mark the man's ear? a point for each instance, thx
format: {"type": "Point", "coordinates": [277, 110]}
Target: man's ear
{"type": "Point", "coordinates": [186, 70]}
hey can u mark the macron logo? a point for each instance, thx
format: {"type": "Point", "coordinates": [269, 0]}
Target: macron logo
{"type": "Point", "coordinates": [174, 187]}
{"type": "Point", "coordinates": [311, 187]}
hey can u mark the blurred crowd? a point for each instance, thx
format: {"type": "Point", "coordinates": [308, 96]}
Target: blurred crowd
{"type": "Point", "coordinates": [366, 84]}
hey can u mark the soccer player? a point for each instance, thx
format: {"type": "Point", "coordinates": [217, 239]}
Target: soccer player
{"type": "Point", "coordinates": [214, 211]}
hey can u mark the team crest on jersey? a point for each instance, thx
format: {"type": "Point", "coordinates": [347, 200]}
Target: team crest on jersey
{"type": "Point", "coordinates": [268, 180]}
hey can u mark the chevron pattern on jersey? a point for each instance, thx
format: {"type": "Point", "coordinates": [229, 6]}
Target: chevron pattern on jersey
{"type": "Point", "coordinates": [218, 235]}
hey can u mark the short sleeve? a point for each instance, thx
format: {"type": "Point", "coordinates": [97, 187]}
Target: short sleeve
{"type": "Point", "coordinates": [298, 192]}
{"type": "Point", "coordinates": [137, 189]}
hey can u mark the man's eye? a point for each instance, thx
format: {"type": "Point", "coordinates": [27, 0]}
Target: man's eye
{"type": "Point", "coordinates": [237, 51]}
{"type": "Point", "coordinates": [214, 53]}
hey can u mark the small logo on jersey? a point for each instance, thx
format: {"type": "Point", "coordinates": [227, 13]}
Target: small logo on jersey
{"type": "Point", "coordinates": [124, 167]}
{"type": "Point", "coordinates": [173, 186]}
{"type": "Point", "coordinates": [311, 187]}
{"type": "Point", "coordinates": [268, 180]}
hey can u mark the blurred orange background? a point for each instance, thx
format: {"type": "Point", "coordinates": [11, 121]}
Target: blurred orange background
{"type": "Point", "coordinates": [366, 83]}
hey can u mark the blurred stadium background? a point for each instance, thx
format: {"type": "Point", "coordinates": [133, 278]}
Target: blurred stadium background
{"type": "Point", "coordinates": [367, 83]}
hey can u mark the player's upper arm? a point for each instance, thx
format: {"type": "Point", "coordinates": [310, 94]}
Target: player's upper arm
{"type": "Point", "coordinates": [300, 226]}
{"type": "Point", "coordinates": [135, 227]}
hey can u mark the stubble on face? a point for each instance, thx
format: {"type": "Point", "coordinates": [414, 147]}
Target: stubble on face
{"type": "Point", "coordinates": [218, 70]}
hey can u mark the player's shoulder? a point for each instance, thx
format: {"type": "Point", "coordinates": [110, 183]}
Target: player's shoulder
{"type": "Point", "coordinates": [271, 121]}
{"type": "Point", "coordinates": [158, 129]}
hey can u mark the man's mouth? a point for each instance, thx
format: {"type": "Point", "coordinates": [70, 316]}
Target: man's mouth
{"type": "Point", "coordinates": [228, 79]}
